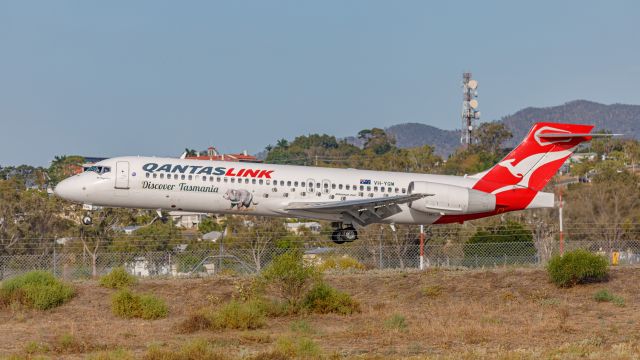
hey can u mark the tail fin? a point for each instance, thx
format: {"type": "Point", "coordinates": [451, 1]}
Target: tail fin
{"type": "Point", "coordinates": [536, 160]}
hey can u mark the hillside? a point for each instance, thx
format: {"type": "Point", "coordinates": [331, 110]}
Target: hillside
{"type": "Point", "coordinates": [502, 313]}
{"type": "Point", "coordinates": [415, 134]}
{"type": "Point", "coordinates": [618, 118]}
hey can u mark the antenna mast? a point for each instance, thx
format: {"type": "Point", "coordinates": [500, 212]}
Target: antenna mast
{"type": "Point", "coordinates": [470, 113]}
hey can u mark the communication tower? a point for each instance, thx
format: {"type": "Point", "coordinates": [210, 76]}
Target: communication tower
{"type": "Point", "coordinates": [470, 113]}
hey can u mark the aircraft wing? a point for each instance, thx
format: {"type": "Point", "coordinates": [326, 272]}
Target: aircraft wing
{"type": "Point", "coordinates": [361, 211]}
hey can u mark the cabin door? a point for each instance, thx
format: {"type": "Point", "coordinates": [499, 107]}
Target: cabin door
{"type": "Point", "coordinates": [122, 175]}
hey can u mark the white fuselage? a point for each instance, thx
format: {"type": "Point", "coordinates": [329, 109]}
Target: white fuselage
{"type": "Point", "coordinates": [241, 188]}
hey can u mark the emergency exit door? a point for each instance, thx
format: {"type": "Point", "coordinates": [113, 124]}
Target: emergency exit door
{"type": "Point", "coordinates": [122, 175]}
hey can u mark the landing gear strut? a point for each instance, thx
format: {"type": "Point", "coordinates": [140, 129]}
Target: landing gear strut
{"type": "Point", "coordinates": [342, 234]}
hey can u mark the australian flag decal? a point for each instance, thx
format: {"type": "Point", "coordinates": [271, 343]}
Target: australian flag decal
{"type": "Point", "coordinates": [365, 182]}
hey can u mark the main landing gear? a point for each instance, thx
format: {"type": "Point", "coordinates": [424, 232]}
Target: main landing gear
{"type": "Point", "coordinates": [343, 234]}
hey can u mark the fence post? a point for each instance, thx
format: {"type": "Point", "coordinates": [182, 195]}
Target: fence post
{"type": "Point", "coordinates": [421, 247]}
{"type": "Point", "coordinates": [54, 257]}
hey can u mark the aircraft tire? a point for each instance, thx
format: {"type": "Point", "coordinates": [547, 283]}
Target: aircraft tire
{"type": "Point", "coordinates": [336, 237]}
{"type": "Point", "coordinates": [349, 234]}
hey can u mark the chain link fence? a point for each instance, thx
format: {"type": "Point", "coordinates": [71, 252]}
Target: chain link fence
{"type": "Point", "coordinates": [246, 260]}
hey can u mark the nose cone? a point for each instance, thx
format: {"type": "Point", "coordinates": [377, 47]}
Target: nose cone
{"type": "Point", "coordinates": [68, 189]}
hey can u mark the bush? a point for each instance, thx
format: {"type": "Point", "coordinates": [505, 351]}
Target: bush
{"type": "Point", "coordinates": [340, 263]}
{"type": "Point", "coordinates": [324, 299]}
{"type": "Point", "coordinates": [197, 349]}
{"type": "Point", "coordinates": [577, 267]}
{"type": "Point", "coordinates": [288, 276]}
{"type": "Point", "coordinates": [299, 348]}
{"type": "Point", "coordinates": [605, 296]}
{"type": "Point", "coordinates": [238, 315]}
{"type": "Point", "coordinates": [126, 304]}
{"type": "Point", "coordinates": [118, 278]}
{"type": "Point", "coordinates": [396, 322]}
{"type": "Point", "coordinates": [36, 289]}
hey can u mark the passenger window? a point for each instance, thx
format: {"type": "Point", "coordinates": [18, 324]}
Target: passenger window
{"type": "Point", "coordinates": [233, 180]}
{"type": "Point", "coordinates": [326, 186]}
{"type": "Point", "coordinates": [340, 187]}
{"type": "Point", "coordinates": [318, 185]}
{"type": "Point", "coordinates": [333, 186]}
{"type": "Point", "coordinates": [375, 188]}
{"type": "Point", "coordinates": [397, 190]}
{"type": "Point", "coordinates": [361, 187]}
{"type": "Point", "coordinates": [260, 181]}
{"type": "Point", "coordinates": [368, 188]}
{"type": "Point", "coordinates": [218, 178]}
{"type": "Point", "coordinates": [253, 181]}
{"type": "Point", "coordinates": [268, 182]}
{"type": "Point", "coordinates": [388, 189]}
{"type": "Point", "coordinates": [182, 177]}
{"type": "Point", "coordinates": [246, 181]}
{"type": "Point", "coordinates": [382, 189]}
{"type": "Point", "coordinates": [288, 183]}
{"type": "Point", "coordinates": [155, 175]}
{"type": "Point", "coordinates": [225, 179]}
{"type": "Point", "coordinates": [404, 191]}
{"type": "Point", "coordinates": [146, 175]}
{"type": "Point", "coordinates": [161, 176]}
{"type": "Point", "coordinates": [347, 187]}
{"type": "Point", "coordinates": [190, 177]}
{"type": "Point", "coordinates": [301, 184]}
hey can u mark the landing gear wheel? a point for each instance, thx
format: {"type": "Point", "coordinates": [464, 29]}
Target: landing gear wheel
{"type": "Point", "coordinates": [349, 234]}
{"type": "Point", "coordinates": [86, 220]}
{"type": "Point", "coordinates": [336, 237]}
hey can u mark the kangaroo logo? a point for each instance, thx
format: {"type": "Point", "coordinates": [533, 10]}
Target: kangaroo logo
{"type": "Point", "coordinates": [514, 170]}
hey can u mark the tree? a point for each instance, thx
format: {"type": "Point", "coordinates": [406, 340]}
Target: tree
{"type": "Point", "coordinates": [506, 240]}
{"type": "Point", "coordinates": [491, 136]}
{"type": "Point", "coordinates": [258, 235]}
{"type": "Point", "coordinates": [611, 204]}
{"type": "Point", "coordinates": [63, 166]}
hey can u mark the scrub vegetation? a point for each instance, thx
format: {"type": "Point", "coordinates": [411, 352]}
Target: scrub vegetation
{"type": "Point", "coordinates": [37, 290]}
{"type": "Point", "coordinates": [403, 314]}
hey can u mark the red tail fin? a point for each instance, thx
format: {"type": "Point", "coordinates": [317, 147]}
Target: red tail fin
{"type": "Point", "coordinates": [534, 162]}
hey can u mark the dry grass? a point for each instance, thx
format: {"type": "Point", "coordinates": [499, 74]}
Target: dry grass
{"type": "Point", "coordinates": [501, 314]}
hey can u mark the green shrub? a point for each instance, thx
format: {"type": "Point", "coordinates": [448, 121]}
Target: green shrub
{"type": "Point", "coordinates": [239, 315]}
{"type": "Point", "coordinates": [118, 278]}
{"type": "Point", "coordinates": [126, 304]}
{"type": "Point", "coordinates": [324, 299]}
{"type": "Point", "coordinates": [288, 276]}
{"type": "Point", "coordinates": [396, 322]}
{"type": "Point", "coordinates": [340, 263]}
{"type": "Point", "coordinates": [577, 267]}
{"type": "Point", "coordinates": [196, 349]}
{"type": "Point", "coordinates": [36, 289]}
{"type": "Point", "coordinates": [299, 348]}
{"type": "Point", "coordinates": [605, 296]}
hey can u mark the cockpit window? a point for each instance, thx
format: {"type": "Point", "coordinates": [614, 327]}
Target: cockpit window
{"type": "Point", "coordinates": [99, 169]}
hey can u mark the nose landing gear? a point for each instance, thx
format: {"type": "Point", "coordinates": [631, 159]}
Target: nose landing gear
{"type": "Point", "coordinates": [87, 220]}
{"type": "Point", "coordinates": [342, 234]}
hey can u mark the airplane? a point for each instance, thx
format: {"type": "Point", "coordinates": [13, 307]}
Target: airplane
{"type": "Point", "coordinates": [349, 198]}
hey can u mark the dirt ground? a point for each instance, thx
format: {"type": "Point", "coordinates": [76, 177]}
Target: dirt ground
{"type": "Point", "coordinates": [503, 313]}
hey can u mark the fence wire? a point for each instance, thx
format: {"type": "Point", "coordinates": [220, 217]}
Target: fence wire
{"type": "Point", "coordinates": [360, 254]}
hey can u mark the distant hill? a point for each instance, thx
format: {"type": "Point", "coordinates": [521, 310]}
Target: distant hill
{"type": "Point", "coordinates": [415, 134]}
{"type": "Point", "coordinates": [618, 118]}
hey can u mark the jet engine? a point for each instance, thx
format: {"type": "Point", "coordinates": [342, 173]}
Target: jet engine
{"type": "Point", "coordinates": [449, 199]}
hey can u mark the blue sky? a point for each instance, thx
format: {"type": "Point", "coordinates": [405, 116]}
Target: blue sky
{"type": "Point", "coordinates": [152, 77]}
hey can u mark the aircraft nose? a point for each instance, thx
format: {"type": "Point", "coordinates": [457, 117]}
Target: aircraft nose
{"type": "Point", "coordinates": [67, 189]}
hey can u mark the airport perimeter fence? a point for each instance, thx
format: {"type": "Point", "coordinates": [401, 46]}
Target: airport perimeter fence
{"type": "Point", "coordinates": [360, 255]}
